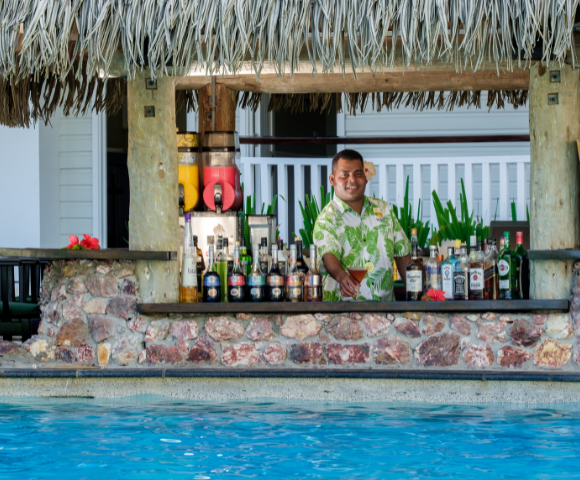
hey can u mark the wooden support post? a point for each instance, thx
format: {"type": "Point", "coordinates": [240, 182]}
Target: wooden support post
{"type": "Point", "coordinates": [225, 120]}
{"type": "Point", "coordinates": [153, 177]}
{"type": "Point", "coordinates": [554, 176]}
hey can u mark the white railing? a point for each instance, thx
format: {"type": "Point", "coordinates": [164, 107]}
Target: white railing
{"type": "Point", "coordinates": [491, 184]}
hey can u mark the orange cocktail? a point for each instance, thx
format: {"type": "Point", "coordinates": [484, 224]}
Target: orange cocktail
{"type": "Point", "coordinates": [358, 273]}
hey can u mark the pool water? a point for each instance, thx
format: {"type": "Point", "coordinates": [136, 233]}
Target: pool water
{"type": "Point", "coordinates": [154, 438]}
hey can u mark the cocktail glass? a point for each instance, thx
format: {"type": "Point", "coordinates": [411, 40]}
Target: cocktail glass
{"type": "Point", "coordinates": [358, 272]}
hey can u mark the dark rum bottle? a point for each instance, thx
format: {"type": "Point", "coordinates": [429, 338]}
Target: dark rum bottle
{"type": "Point", "coordinates": [275, 280]}
{"type": "Point", "coordinates": [256, 280]}
{"type": "Point", "coordinates": [476, 274]}
{"type": "Point", "coordinates": [294, 279]}
{"type": "Point", "coordinates": [237, 280]}
{"type": "Point", "coordinates": [211, 281]}
{"type": "Point", "coordinates": [313, 279]}
{"type": "Point", "coordinates": [300, 263]}
{"type": "Point", "coordinates": [415, 271]}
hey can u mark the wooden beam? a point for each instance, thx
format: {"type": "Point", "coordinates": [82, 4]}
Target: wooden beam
{"type": "Point", "coordinates": [381, 140]}
{"type": "Point", "coordinates": [225, 113]}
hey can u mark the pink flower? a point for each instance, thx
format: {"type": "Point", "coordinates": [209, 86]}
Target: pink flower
{"type": "Point", "coordinates": [74, 240]}
{"type": "Point", "coordinates": [90, 243]}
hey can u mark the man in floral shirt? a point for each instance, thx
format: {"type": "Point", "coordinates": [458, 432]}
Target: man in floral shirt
{"type": "Point", "coordinates": [355, 231]}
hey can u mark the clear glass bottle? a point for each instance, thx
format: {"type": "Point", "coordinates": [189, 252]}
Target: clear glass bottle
{"type": "Point", "coordinates": [282, 259]}
{"type": "Point", "coordinates": [265, 259]}
{"type": "Point", "coordinates": [524, 273]}
{"type": "Point", "coordinates": [448, 271]}
{"type": "Point", "coordinates": [294, 279]}
{"type": "Point", "coordinates": [275, 280]}
{"type": "Point", "coordinates": [476, 274]}
{"type": "Point", "coordinates": [189, 286]}
{"type": "Point", "coordinates": [461, 277]}
{"type": "Point", "coordinates": [472, 249]}
{"type": "Point", "coordinates": [491, 290]}
{"type": "Point", "coordinates": [300, 263]}
{"type": "Point", "coordinates": [237, 280]}
{"type": "Point", "coordinates": [211, 281]}
{"type": "Point", "coordinates": [313, 279]}
{"type": "Point", "coordinates": [415, 271]}
{"type": "Point", "coordinates": [433, 272]}
{"type": "Point", "coordinates": [229, 258]}
{"type": "Point", "coordinates": [245, 259]}
{"type": "Point", "coordinates": [200, 267]}
{"type": "Point", "coordinates": [256, 279]}
{"type": "Point", "coordinates": [507, 270]}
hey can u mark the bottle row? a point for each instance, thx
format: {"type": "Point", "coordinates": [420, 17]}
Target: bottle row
{"type": "Point", "coordinates": [483, 274]}
{"type": "Point", "coordinates": [261, 278]}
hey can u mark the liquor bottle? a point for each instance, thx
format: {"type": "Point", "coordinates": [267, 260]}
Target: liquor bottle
{"type": "Point", "coordinates": [188, 287]}
{"type": "Point", "coordinates": [313, 279]}
{"type": "Point", "coordinates": [476, 274]}
{"type": "Point", "coordinates": [415, 271]}
{"type": "Point", "coordinates": [491, 289]}
{"type": "Point", "coordinates": [222, 268]}
{"type": "Point", "coordinates": [472, 249]}
{"type": "Point", "coordinates": [294, 279]}
{"type": "Point", "coordinates": [282, 259]}
{"type": "Point", "coordinates": [433, 270]}
{"type": "Point", "coordinates": [237, 280]}
{"type": "Point", "coordinates": [265, 259]}
{"type": "Point", "coordinates": [229, 258]}
{"type": "Point", "coordinates": [447, 273]}
{"type": "Point", "coordinates": [507, 270]}
{"type": "Point", "coordinates": [245, 259]}
{"type": "Point", "coordinates": [256, 279]}
{"type": "Point", "coordinates": [211, 281]}
{"type": "Point", "coordinates": [524, 274]}
{"type": "Point", "coordinates": [439, 263]}
{"type": "Point", "coordinates": [461, 277]}
{"type": "Point", "coordinates": [275, 280]}
{"type": "Point", "coordinates": [200, 267]}
{"type": "Point", "coordinates": [300, 263]}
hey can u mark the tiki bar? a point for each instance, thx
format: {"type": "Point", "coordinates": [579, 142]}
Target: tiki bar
{"type": "Point", "coordinates": [263, 239]}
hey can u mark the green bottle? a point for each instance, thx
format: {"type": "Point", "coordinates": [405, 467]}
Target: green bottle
{"type": "Point", "coordinates": [222, 268]}
{"type": "Point", "coordinates": [507, 266]}
{"type": "Point", "coordinates": [245, 259]}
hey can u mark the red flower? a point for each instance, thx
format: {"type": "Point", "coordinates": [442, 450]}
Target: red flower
{"type": "Point", "coordinates": [433, 295]}
{"type": "Point", "coordinates": [74, 240]}
{"type": "Point", "coordinates": [90, 243]}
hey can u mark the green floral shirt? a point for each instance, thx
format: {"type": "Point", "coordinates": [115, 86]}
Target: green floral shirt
{"type": "Point", "coordinates": [374, 237]}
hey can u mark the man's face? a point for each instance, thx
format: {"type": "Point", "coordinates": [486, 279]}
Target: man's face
{"type": "Point", "coordinates": [349, 180]}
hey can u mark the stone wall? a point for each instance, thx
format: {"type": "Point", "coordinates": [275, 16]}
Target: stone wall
{"type": "Point", "coordinates": [89, 318]}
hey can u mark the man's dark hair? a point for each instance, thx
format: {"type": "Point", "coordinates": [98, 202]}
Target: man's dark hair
{"type": "Point", "coordinates": [347, 154]}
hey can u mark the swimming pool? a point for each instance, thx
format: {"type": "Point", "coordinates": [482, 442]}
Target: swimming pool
{"type": "Point", "coordinates": [154, 438]}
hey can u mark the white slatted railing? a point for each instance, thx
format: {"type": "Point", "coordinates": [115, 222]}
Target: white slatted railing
{"type": "Point", "coordinates": [488, 181]}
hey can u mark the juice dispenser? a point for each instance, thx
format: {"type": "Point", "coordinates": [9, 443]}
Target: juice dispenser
{"type": "Point", "coordinates": [189, 170]}
{"type": "Point", "coordinates": [221, 175]}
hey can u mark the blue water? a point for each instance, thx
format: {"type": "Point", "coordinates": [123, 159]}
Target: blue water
{"type": "Point", "coordinates": [153, 438]}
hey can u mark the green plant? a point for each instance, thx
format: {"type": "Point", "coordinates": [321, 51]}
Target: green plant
{"type": "Point", "coordinates": [250, 209]}
{"type": "Point", "coordinates": [514, 212]}
{"type": "Point", "coordinates": [310, 214]}
{"type": "Point", "coordinates": [405, 216]}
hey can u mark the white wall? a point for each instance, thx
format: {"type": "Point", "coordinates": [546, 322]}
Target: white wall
{"type": "Point", "coordinates": [19, 187]}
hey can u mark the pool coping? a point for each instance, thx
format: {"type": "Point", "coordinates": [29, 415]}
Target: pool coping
{"type": "Point", "coordinates": [289, 373]}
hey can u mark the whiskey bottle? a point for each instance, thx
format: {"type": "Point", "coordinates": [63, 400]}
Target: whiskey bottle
{"type": "Point", "coordinates": [294, 279]}
{"type": "Point", "coordinates": [507, 270]}
{"type": "Point", "coordinates": [188, 287]}
{"type": "Point", "coordinates": [275, 280]}
{"type": "Point", "coordinates": [282, 259]}
{"type": "Point", "coordinates": [237, 280]}
{"type": "Point", "coordinates": [313, 279]}
{"type": "Point", "coordinates": [200, 267]}
{"type": "Point", "coordinates": [256, 279]}
{"type": "Point", "coordinates": [300, 263]}
{"type": "Point", "coordinates": [211, 281]}
{"type": "Point", "coordinates": [265, 259]}
{"type": "Point", "coordinates": [491, 289]}
{"type": "Point", "coordinates": [415, 271]}
{"type": "Point", "coordinates": [476, 274]}
{"type": "Point", "coordinates": [461, 276]}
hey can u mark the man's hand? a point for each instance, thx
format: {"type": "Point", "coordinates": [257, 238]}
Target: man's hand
{"type": "Point", "coordinates": [348, 285]}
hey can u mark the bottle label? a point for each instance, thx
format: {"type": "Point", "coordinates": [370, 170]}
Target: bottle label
{"type": "Point", "coordinates": [432, 276]}
{"type": "Point", "coordinates": [282, 266]}
{"type": "Point", "coordinates": [274, 280]}
{"type": "Point", "coordinates": [313, 281]}
{"type": "Point", "coordinates": [414, 281]}
{"type": "Point", "coordinates": [264, 266]}
{"type": "Point", "coordinates": [237, 292]}
{"type": "Point", "coordinates": [256, 281]}
{"type": "Point", "coordinates": [489, 272]}
{"type": "Point", "coordinates": [459, 284]}
{"type": "Point", "coordinates": [276, 293]}
{"type": "Point", "coordinates": [237, 280]}
{"type": "Point", "coordinates": [188, 273]}
{"type": "Point", "coordinates": [447, 280]}
{"type": "Point", "coordinates": [211, 281]}
{"type": "Point", "coordinates": [213, 293]}
{"type": "Point", "coordinates": [294, 280]}
{"type": "Point", "coordinates": [294, 292]}
{"type": "Point", "coordinates": [504, 284]}
{"type": "Point", "coordinates": [256, 292]}
{"type": "Point", "coordinates": [476, 279]}
{"type": "Point", "coordinates": [503, 267]}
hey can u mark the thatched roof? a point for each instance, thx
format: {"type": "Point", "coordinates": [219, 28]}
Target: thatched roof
{"type": "Point", "coordinates": [76, 41]}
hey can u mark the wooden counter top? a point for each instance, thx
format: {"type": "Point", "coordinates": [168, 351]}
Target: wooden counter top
{"type": "Point", "coordinates": [104, 254]}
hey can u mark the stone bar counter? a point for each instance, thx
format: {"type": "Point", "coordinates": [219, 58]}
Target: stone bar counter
{"type": "Point", "coordinates": [91, 317]}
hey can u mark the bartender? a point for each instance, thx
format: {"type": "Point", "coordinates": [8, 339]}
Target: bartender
{"type": "Point", "coordinates": [355, 230]}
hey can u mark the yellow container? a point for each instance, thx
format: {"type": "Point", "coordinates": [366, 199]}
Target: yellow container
{"type": "Point", "coordinates": [189, 170]}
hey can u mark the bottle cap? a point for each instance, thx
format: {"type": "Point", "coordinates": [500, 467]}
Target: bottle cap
{"type": "Point", "coordinates": [433, 247]}
{"type": "Point", "coordinates": [280, 244]}
{"type": "Point", "coordinates": [312, 250]}
{"type": "Point", "coordinates": [506, 234]}
{"type": "Point", "coordinates": [519, 237]}
{"type": "Point", "coordinates": [457, 244]}
{"type": "Point", "coordinates": [414, 231]}
{"type": "Point", "coordinates": [439, 257]}
{"type": "Point", "coordinates": [450, 251]}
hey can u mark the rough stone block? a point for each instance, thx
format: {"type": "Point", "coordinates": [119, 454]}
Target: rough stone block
{"type": "Point", "coordinates": [157, 331]}
{"type": "Point", "coordinates": [461, 325]}
{"type": "Point", "coordinates": [260, 329]}
{"type": "Point", "coordinates": [104, 353]}
{"type": "Point", "coordinates": [71, 310]}
{"type": "Point", "coordinates": [96, 305]}
{"type": "Point", "coordinates": [377, 324]}
{"type": "Point", "coordinates": [300, 327]}
{"type": "Point", "coordinates": [432, 324]}
{"type": "Point", "coordinates": [240, 354]}
{"type": "Point", "coordinates": [183, 347]}
{"type": "Point", "coordinates": [73, 333]}
{"type": "Point", "coordinates": [492, 332]}
{"type": "Point", "coordinates": [65, 355]}
{"type": "Point", "coordinates": [85, 355]}
{"type": "Point", "coordinates": [128, 287]}
{"type": "Point", "coordinates": [355, 316]}
{"type": "Point", "coordinates": [559, 327]}
{"type": "Point", "coordinates": [552, 354]}
{"type": "Point", "coordinates": [137, 324]}
{"type": "Point", "coordinates": [274, 353]}
{"type": "Point", "coordinates": [101, 327]}
{"type": "Point", "coordinates": [392, 351]}
{"type": "Point", "coordinates": [408, 328]}
{"type": "Point", "coordinates": [76, 286]}
{"type": "Point", "coordinates": [38, 347]}
{"type": "Point", "coordinates": [511, 357]}
{"type": "Point", "coordinates": [473, 318]}
{"type": "Point", "coordinates": [440, 350]}
{"type": "Point", "coordinates": [53, 313]}
{"type": "Point", "coordinates": [477, 356]}
{"type": "Point", "coordinates": [489, 316]}
{"type": "Point", "coordinates": [412, 316]}
{"type": "Point", "coordinates": [102, 286]}
{"type": "Point", "coordinates": [539, 319]}
{"type": "Point", "coordinates": [163, 354]}
{"type": "Point", "coordinates": [202, 351]}
{"type": "Point", "coordinates": [58, 293]}
{"type": "Point", "coordinates": [223, 329]}
{"type": "Point", "coordinates": [323, 317]}
{"type": "Point", "coordinates": [242, 316]}
{"type": "Point", "coordinates": [122, 307]}
{"type": "Point", "coordinates": [186, 330]}
{"type": "Point", "coordinates": [125, 358]}
{"type": "Point", "coordinates": [125, 272]}
{"type": "Point", "coordinates": [308, 352]}
{"type": "Point", "coordinates": [525, 334]}
{"type": "Point", "coordinates": [9, 347]}
{"type": "Point", "coordinates": [142, 356]}
{"type": "Point", "coordinates": [344, 328]}
{"type": "Point", "coordinates": [348, 354]}
{"type": "Point", "coordinates": [104, 269]}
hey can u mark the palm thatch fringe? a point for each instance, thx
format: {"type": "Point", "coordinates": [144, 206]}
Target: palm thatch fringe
{"type": "Point", "coordinates": [220, 36]}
